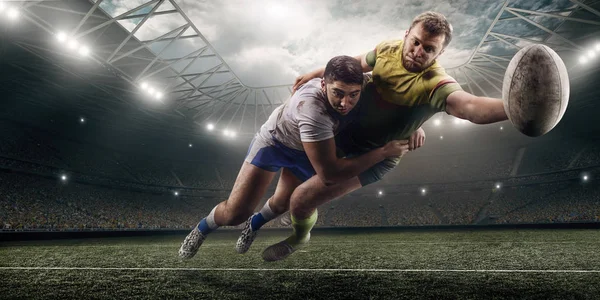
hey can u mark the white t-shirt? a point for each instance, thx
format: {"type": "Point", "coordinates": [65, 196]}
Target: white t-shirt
{"type": "Point", "coordinates": [305, 117]}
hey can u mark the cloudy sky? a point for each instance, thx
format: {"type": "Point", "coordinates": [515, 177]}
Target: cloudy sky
{"type": "Point", "coordinates": [270, 42]}
{"type": "Point", "coordinates": [279, 40]}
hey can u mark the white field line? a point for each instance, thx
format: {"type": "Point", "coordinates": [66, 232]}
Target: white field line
{"type": "Point", "coordinates": [18, 244]}
{"type": "Point", "coordinates": [305, 270]}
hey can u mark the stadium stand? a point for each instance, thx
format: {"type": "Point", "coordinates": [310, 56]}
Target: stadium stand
{"type": "Point", "coordinates": [132, 186]}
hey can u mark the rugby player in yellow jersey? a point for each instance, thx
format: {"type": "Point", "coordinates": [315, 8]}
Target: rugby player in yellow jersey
{"type": "Point", "coordinates": [308, 120]}
{"type": "Point", "coordinates": [407, 88]}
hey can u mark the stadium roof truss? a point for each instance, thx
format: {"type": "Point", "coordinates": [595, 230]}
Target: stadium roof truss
{"type": "Point", "coordinates": [177, 60]}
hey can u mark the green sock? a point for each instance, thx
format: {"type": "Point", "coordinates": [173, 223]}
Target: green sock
{"type": "Point", "coordinates": [302, 230]}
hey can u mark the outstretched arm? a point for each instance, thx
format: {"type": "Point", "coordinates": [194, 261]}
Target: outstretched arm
{"type": "Point", "coordinates": [478, 110]}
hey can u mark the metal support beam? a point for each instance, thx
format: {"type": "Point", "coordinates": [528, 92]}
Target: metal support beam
{"type": "Point", "coordinates": [244, 112]}
{"type": "Point", "coordinates": [137, 27]}
{"type": "Point", "coordinates": [554, 15]}
{"type": "Point", "coordinates": [143, 46]}
{"type": "Point", "coordinates": [230, 104]}
{"type": "Point", "coordinates": [586, 7]}
{"type": "Point", "coordinates": [474, 82]}
{"type": "Point", "coordinates": [197, 52]}
{"type": "Point", "coordinates": [485, 78]}
{"type": "Point", "coordinates": [161, 52]}
{"type": "Point", "coordinates": [115, 19]}
{"type": "Point", "coordinates": [488, 31]}
{"type": "Point", "coordinates": [89, 13]}
{"type": "Point", "coordinates": [545, 29]}
{"type": "Point", "coordinates": [266, 96]}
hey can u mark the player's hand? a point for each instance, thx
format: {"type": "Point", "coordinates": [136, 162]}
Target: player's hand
{"type": "Point", "coordinates": [396, 148]}
{"type": "Point", "coordinates": [417, 139]}
{"type": "Point", "coordinates": [302, 79]}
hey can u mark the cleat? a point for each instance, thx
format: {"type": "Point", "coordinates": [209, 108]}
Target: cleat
{"type": "Point", "coordinates": [285, 219]}
{"type": "Point", "coordinates": [192, 242]}
{"type": "Point", "coordinates": [246, 238]}
{"type": "Point", "coordinates": [281, 250]}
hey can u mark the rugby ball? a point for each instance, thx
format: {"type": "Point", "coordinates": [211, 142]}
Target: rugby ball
{"type": "Point", "coordinates": [535, 90]}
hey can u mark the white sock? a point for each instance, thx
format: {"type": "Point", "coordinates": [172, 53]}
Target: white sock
{"type": "Point", "coordinates": [210, 219]}
{"type": "Point", "coordinates": [268, 213]}
{"type": "Point", "coordinates": [265, 215]}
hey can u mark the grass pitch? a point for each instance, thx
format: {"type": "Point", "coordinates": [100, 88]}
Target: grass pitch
{"type": "Point", "coordinates": [526, 264]}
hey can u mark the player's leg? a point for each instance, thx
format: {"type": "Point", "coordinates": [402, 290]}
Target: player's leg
{"type": "Point", "coordinates": [249, 187]}
{"type": "Point", "coordinates": [303, 203]}
{"type": "Point", "coordinates": [275, 206]}
{"type": "Point", "coordinates": [313, 193]}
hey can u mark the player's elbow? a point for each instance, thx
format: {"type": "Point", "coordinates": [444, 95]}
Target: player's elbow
{"type": "Point", "coordinates": [327, 180]}
{"type": "Point", "coordinates": [475, 112]}
{"type": "Point", "coordinates": [468, 111]}
{"type": "Point", "coordinates": [463, 106]}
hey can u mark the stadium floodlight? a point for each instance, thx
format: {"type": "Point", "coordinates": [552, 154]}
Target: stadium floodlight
{"type": "Point", "coordinates": [228, 133]}
{"type": "Point", "coordinates": [158, 95]}
{"type": "Point", "coordinates": [585, 178]}
{"type": "Point", "coordinates": [498, 186]}
{"type": "Point", "coordinates": [459, 121]}
{"type": "Point", "coordinates": [583, 60]}
{"type": "Point", "coordinates": [82, 120]}
{"type": "Point", "coordinates": [73, 44]}
{"type": "Point", "coordinates": [423, 191]}
{"type": "Point", "coordinates": [61, 36]}
{"type": "Point", "coordinates": [176, 193]}
{"type": "Point", "coordinates": [84, 51]}
{"type": "Point", "coordinates": [63, 177]}
{"type": "Point", "coordinates": [13, 13]}
{"type": "Point", "coordinates": [501, 127]}
{"type": "Point", "coordinates": [591, 54]}
{"type": "Point", "coordinates": [2, 6]}
{"type": "Point", "coordinates": [441, 137]}
{"type": "Point", "coordinates": [151, 90]}
{"type": "Point", "coordinates": [380, 193]}
{"type": "Point", "coordinates": [232, 133]}
{"type": "Point", "coordinates": [210, 126]}
{"type": "Point", "coordinates": [144, 85]}
{"type": "Point", "coordinates": [598, 46]}
{"type": "Point", "coordinates": [437, 122]}
{"type": "Point", "coordinates": [190, 145]}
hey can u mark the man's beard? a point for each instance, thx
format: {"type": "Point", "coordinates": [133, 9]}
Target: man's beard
{"type": "Point", "coordinates": [411, 66]}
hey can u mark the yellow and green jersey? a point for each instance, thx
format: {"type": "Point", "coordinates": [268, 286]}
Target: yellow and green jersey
{"type": "Point", "coordinates": [396, 102]}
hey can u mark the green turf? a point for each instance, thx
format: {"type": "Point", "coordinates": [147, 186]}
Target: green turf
{"type": "Point", "coordinates": [409, 254]}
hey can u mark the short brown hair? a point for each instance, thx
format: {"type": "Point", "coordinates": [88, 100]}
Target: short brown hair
{"type": "Point", "coordinates": [434, 23]}
{"type": "Point", "coordinates": [343, 68]}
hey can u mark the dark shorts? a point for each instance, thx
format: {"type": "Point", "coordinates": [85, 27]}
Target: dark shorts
{"type": "Point", "coordinates": [376, 172]}
{"type": "Point", "coordinates": [373, 174]}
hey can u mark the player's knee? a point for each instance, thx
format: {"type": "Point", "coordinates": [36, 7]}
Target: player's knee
{"type": "Point", "coordinates": [301, 205]}
{"type": "Point", "coordinates": [300, 211]}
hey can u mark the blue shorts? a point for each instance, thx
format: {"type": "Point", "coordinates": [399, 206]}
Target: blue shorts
{"type": "Point", "coordinates": [273, 155]}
